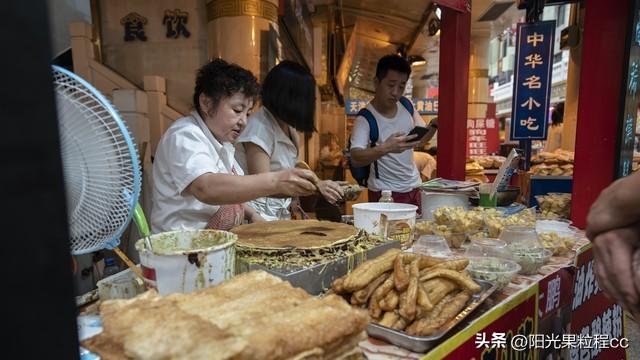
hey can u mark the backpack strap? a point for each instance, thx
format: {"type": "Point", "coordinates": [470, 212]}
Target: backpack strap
{"type": "Point", "coordinates": [373, 132]}
{"type": "Point", "coordinates": [407, 104]}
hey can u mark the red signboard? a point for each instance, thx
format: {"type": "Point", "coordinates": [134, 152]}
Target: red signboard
{"type": "Point", "coordinates": [483, 136]}
{"type": "Point", "coordinates": [555, 292]}
{"type": "Point", "coordinates": [491, 337]}
{"type": "Point", "coordinates": [459, 5]}
{"type": "Point", "coordinates": [593, 314]}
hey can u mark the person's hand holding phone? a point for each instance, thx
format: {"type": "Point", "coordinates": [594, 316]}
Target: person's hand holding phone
{"type": "Point", "coordinates": [419, 131]}
{"type": "Point", "coordinates": [399, 142]}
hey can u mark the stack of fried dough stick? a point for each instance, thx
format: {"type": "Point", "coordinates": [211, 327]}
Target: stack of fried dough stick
{"type": "Point", "coordinates": [409, 292]}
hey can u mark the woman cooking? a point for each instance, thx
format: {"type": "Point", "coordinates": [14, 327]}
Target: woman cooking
{"type": "Point", "coordinates": [197, 182]}
{"type": "Point", "coordinates": [270, 141]}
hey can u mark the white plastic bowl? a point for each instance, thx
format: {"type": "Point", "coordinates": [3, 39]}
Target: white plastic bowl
{"type": "Point", "coordinates": [395, 221]}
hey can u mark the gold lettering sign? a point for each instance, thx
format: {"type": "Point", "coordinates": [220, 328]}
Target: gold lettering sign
{"type": "Point", "coordinates": [224, 8]}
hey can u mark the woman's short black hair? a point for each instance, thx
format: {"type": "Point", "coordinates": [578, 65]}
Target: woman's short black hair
{"type": "Point", "coordinates": [289, 93]}
{"type": "Point", "coordinates": [392, 62]}
{"type": "Point", "coordinates": [219, 79]}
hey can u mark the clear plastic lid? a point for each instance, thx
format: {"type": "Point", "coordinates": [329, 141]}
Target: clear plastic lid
{"type": "Point", "coordinates": [432, 245]}
{"type": "Point", "coordinates": [520, 237]}
{"type": "Point", "coordinates": [488, 247]}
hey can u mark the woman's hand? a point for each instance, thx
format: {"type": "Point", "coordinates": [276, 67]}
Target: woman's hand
{"type": "Point", "coordinates": [251, 214]}
{"type": "Point", "coordinates": [330, 190]}
{"type": "Point", "coordinates": [255, 218]}
{"type": "Point", "coordinates": [295, 182]}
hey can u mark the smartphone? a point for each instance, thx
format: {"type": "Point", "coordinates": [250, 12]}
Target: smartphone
{"type": "Point", "coordinates": [420, 131]}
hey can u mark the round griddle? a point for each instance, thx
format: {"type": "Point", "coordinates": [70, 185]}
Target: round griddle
{"type": "Point", "coordinates": [293, 234]}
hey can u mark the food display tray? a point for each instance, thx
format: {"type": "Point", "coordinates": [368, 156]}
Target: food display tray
{"type": "Point", "coordinates": [317, 279]}
{"type": "Point", "coordinates": [422, 344]}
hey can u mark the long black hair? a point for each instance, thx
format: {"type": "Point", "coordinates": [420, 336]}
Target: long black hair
{"type": "Point", "coordinates": [289, 93]}
{"type": "Point", "coordinates": [219, 79]}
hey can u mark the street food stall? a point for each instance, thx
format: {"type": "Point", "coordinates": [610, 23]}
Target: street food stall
{"type": "Point", "coordinates": [373, 296]}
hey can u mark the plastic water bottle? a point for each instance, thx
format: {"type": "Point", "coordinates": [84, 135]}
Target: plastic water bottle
{"type": "Point", "coordinates": [386, 196]}
{"type": "Point", "coordinates": [110, 267]}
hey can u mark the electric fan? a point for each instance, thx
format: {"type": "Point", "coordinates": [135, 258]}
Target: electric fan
{"type": "Point", "coordinates": [101, 167]}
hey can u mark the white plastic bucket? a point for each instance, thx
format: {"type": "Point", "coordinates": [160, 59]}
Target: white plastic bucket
{"type": "Point", "coordinates": [432, 201]}
{"type": "Point", "coordinates": [393, 221]}
{"type": "Point", "coordinates": [187, 260]}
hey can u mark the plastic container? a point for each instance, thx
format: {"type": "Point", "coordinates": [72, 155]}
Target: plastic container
{"type": "Point", "coordinates": [488, 247]}
{"type": "Point", "coordinates": [393, 221]}
{"type": "Point", "coordinates": [552, 225]}
{"type": "Point", "coordinates": [432, 200]}
{"type": "Point", "coordinates": [187, 260]}
{"type": "Point", "coordinates": [485, 196]}
{"type": "Point", "coordinates": [476, 235]}
{"type": "Point", "coordinates": [386, 197]}
{"type": "Point", "coordinates": [522, 236]}
{"type": "Point", "coordinates": [424, 227]}
{"type": "Point", "coordinates": [530, 259]}
{"type": "Point", "coordinates": [559, 242]}
{"type": "Point", "coordinates": [123, 285]}
{"type": "Point", "coordinates": [454, 239]}
{"type": "Point", "coordinates": [432, 245]}
{"type": "Point", "coordinates": [495, 270]}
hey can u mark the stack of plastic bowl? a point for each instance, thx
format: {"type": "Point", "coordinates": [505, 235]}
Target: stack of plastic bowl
{"type": "Point", "coordinates": [432, 245]}
{"type": "Point", "coordinates": [527, 250]}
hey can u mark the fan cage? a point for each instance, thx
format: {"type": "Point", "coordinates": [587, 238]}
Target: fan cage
{"type": "Point", "coordinates": [100, 162]}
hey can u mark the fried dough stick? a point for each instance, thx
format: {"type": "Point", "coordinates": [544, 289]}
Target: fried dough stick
{"type": "Point", "coordinates": [400, 274]}
{"type": "Point", "coordinates": [426, 327]}
{"type": "Point", "coordinates": [369, 270]}
{"type": "Point", "coordinates": [408, 308]}
{"type": "Point", "coordinates": [361, 296]}
{"type": "Point", "coordinates": [455, 276]}
{"type": "Point", "coordinates": [390, 301]}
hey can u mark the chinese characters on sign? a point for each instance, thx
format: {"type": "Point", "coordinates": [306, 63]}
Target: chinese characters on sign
{"type": "Point", "coordinates": [423, 106]}
{"type": "Point", "coordinates": [175, 21]}
{"type": "Point", "coordinates": [483, 136]}
{"type": "Point", "coordinates": [532, 80]}
{"type": "Point", "coordinates": [134, 27]}
{"type": "Point", "coordinates": [627, 125]}
{"type": "Point", "coordinates": [583, 344]}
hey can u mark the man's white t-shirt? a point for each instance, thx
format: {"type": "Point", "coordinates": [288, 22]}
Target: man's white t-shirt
{"type": "Point", "coordinates": [397, 172]}
{"type": "Point", "coordinates": [263, 130]}
{"type": "Point", "coordinates": [187, 150]}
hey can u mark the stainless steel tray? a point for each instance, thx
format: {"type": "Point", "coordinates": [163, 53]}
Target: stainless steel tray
{"type": "Point", "coordinates": [422, 344]}
{"type": "Point", "coordinates": [317, 279]}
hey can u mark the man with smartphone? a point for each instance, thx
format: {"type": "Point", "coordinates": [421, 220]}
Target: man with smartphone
{"type": "Point", "coordinates": [399, 128]}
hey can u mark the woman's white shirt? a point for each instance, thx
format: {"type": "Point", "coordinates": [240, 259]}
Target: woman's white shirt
{"type": "Point", "coordinates": [186, 151]}
{"type": "Point", "coordinates": [263, 130]}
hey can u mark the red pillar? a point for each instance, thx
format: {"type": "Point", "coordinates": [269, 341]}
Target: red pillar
{"type": "Point", "coordinates": [454, 86]}
{"type": "Point", "coordinates": [600, 100]}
